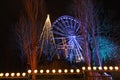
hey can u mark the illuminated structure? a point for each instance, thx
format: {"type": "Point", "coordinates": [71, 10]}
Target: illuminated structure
{"type": "Point", "coordinates": [68, 38]}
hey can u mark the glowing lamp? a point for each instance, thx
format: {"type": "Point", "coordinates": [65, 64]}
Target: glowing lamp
{"type": "Point", "coordinates": [29, 71]}
{"type": "Point", "coordinates": [41, 71]}
{"type": "Point", "coordinates": [89, 68]}
{"type": "Point", "coordinates": [110, 68]}
{"type": "Point", "coordinates": [24, 74]}
{"type": "Point", "coordinates": [47, 71]}
{"type": "Point", "coordinates": [72, 70]}
{"type": "Point", "coordinates": [59, 71]}
{"type": "Point", "coordinates": [1, 74]}
{"type": "Point", "coordinates": [100, 68]}
{"type": "Point", "coordinates": [35, 71]}
{"type": "Point", "coordinates": [18, 74]}
{"type": "Point", "coordinates": [12, 74]}
{"type": "Point", "coordinates": [105, 68]}
{"type": "Point", "coordinates": [83, 68]}
{"type": "Point", "coordinates": [65, 70]}
{"type": "Point", "coordinates": [94, 68]}
{"type": "Point", "coordinates": [53, 71]}
{"type": "Point", "coordinates": [77, 70]}
{"type": "Point", "coordinates": [116, 68]}
{"type": "Point", "coordinates": [6, 74]}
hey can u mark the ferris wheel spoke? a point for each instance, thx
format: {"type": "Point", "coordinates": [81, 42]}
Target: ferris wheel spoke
{"type": "Point", "coordinates": [63, 22]}
{"type": "Point", "coordinates": [74, 25]}
{"type": "Point", "coordinates": [58, 28]}
{"type": "Point", "coordinates": [58, 33]}
{"type": "Point", "coordinates": [77, 29]}
{"type": "Point", "coordinates": [71, 24]}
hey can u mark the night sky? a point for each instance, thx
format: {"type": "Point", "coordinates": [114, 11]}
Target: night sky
{"type": "Point", "coordinates": [10, 12]}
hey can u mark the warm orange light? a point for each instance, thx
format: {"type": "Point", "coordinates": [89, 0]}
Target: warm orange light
{"type": "Point", "coordinates": [77, 70]}
{"type": "Point", "coordinates": [83, 68]}
{"type": "Point", "coordinates": [29, 71]}
{"type": "Point", "coordinates": [105, 68]}
{"type": "Point", "coordinates": [41, 71]}
{"type": "Point", "coordinates": [23, 74]}
{"type": "Point", "coordinates": [12, 74]}
{"type": "Point", "coordinates": [53, 70]}
{"type": "Point", "coordinates": [116, 68]}
{"type": "Point", "coordinates": [65, 70]}
{"type": "Point", "coordinates": [110, 67]}
{"type": "Point", "coordinates": [47, 71]}
{"type": "Point", "coordinates": [89, 68]}
{"type": "Point", "coordinates": [59, 71]}
{"type": "Point", "coordinates": [18, 74]}
{"type": "Point", "coordinates": [1, 74]}
{"type": "Point", "coordinates": [72, 70]}
{"type": "Point", "coordinates": [100, 68]}
{"type": "Point", "coordinates": [35, 71]}
{"type": "Point", "coordinates": [6, 74]}
{"type": "Point", "coordinates": [94, 68]}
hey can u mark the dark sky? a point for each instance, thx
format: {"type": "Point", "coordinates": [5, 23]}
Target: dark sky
{"type": "Point", "coordinates": [10, 12]}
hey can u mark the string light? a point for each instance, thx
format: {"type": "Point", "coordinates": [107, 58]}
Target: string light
{"type": "Point", "coordinates": [12, 74]}
{"type": "Point", "coordinates": [94, 68]}
{"type": "Point", "coordinates": [105, 68]}
{"type": "Point", "coordinates": [83, 68]}
{"type": "Point", "coordinates": [6, 74]}
{"type": "Point", "coordinates": [41, 71]}
{"type": "Point", "coordinates": [72, 70]}
{"type": "Point", "coordinates": [23, 74]}
{"type": "Point", "coordinates": [53, 71]}
{"type": "Point", "coordinates": [47, 71]}
{"type": "Point", "coordinates": [35, 71]}
{"type": "Point", "coordinates": [77, 70]}
{"type": "Point", "coordinates": [59, 71]}
{"type": "Point", "coordinates": [1, 74]}
{"type": "Point", "coordinates": [100, 68]}
{"type": "Point", "coordinates": [116, 68]}
{"type": "Point", "coordinates": [18, 74]}
{"type": "Point", "coordinates": [29, 71]}
{"type": "Point", "coordinates": [65, 70]}
{"type": "Point", "coordinates": [110, 67]}
{"type": "Point", "coordinates": [89, 68]}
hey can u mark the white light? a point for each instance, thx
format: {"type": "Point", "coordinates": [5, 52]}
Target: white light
{"type": "Point", "coordinates": [18, 74]}
{"type": "Point", "coordinates": [12, 74]}
{"type": "Point", "coordinates": [116, 68]}
{"type": "Point", "coordinates": [77, 70]}
{"type": "Point", "coordinates": [24, 74]}
{"type": "Point", "coordinates": [72, 70]}
{"type": "Point", "coordinates": [59, 71]}
{"type": "Point", "coordinates": [1, 74]}
{"type": "Point", "coordinates": [35, 71]}
{"type": "Point", "coordinates": [65, 70]}
{"type": "Point", "coordinates": [100, 68]}
{"type": "Point", "coordinates": [110, 67]}
{"type": "Point", "coordinates": [105, 68]}
{"type": "Point", "coordinates": [94, 68]}
{"type": "Point", "coordinates": [89, 68]}
{"type": "Point", "coordinates": [6, 74]}
{"type": "Point", "coordinates": [53, 71]}
{"type": "Point", "coordinates": [47, 71]}
{"type": "Point", "coordinates": [29, 71]}
{"type": "Point", "coordinates": [83, 68]}
{"type": "Point", "coordinates": [41, 71]}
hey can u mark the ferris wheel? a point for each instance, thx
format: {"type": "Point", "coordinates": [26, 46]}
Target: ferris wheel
{"type": "Point", "coordinates": [68, 37]}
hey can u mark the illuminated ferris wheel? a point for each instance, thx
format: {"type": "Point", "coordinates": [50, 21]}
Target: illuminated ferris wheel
{"type": "Point", "coordinates": [68, 37]}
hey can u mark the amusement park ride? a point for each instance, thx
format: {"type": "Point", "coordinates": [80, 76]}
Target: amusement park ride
{"type": "Point", "coordinates": [64, 38]}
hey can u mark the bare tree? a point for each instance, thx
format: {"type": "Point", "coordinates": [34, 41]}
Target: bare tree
{"type": "Point", "coordinates": [84, 12]}
{"type": "Point", "coordinates": [29, 29]}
